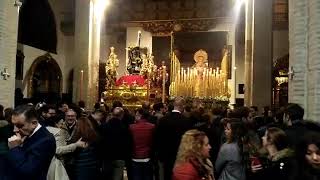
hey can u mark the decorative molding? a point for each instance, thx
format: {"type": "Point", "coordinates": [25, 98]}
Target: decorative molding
{"type": "Point", "coordinates": [164, 28]}
{"type": "Point", "coordinates": [165, 10]}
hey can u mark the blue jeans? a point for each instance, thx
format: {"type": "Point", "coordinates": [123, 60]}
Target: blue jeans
{"type": "Point", "coordinates": [142, 170]}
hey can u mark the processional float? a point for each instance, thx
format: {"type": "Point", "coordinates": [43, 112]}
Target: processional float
{"type": "Point", "coordinates": [143, 80]}
{"type": "Point", "coordinates": [200, 81]}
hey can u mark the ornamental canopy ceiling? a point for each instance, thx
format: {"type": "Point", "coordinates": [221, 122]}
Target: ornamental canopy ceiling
{"type": "Point", "coordinates": [146, 10]}
{"type": "Point", "coordinates": [160, 17]}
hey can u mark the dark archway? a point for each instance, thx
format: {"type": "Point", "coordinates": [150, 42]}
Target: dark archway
{"type": "Point", "coordinates": [45, 80]}
{"type": "Point", "coordinates": [280, 81]}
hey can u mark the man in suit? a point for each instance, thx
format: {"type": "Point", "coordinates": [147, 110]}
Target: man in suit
{"type": "Point", "coordinates": [168, 136]}
{"type": "Point", "coordinates": [31, 149]}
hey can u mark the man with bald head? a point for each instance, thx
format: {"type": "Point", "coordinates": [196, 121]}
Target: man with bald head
{"type": "Point", "coordinates": [168, 135]}
{"type": "Point", "coordinates": [115, 141]}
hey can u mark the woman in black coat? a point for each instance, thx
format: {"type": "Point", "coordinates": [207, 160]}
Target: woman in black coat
{"type": "Point", "coordinates": [280, 163]}
{"type": "Point", "coordinates": [308, 153]}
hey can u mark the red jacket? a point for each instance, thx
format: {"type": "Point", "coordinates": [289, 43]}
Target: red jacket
{"type": "Point", "coordinates": [142, 133]}
{"type": "Point", "coordinates": [185, 171]}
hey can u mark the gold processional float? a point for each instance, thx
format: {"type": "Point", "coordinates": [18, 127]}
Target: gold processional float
{"type": "Point", "coordinates": [200, 81]}
{"type": "Point", "coordinates": [144, 81]}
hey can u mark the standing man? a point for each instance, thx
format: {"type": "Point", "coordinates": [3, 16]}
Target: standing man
{"type": "Point", "coordinates": [116, 145]}
{"type": "Point", "coordinates": [31, 149]}
{"type": "Point", "coordinates": [62, 109]}
{"type": "Point", "coordinates": [142, 133]}
{"type": "Point", "coordinates": [96, 118]}
{"type": "Point", "coordinates": [70, 121]}
{"type": "Point", "coordinates": [46, 111]}
{"type": "Point", "coordinates": [295, 126]}
{"type": "Point", "coordinates": [159, 110]}
{"type": "Point", "coordinates": [168, 136]}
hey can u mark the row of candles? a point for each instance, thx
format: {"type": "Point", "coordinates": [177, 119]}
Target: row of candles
{"type": "Point", "coordinates": [199, 82]}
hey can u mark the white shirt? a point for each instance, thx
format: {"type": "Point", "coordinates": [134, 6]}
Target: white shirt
{"type": "Point", "coordinates": [176, 111]}
{"type": "Point", "coordinates": [141, 160]}
{"type": "Point", "coordinates": [36, 129]}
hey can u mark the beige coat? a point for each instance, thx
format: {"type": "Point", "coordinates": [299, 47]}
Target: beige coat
{"type": "Point", "coordinates": [56, 170]}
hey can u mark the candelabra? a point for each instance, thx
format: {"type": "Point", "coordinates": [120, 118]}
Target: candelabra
{"type": "Point", "coordinates": [198, 82]}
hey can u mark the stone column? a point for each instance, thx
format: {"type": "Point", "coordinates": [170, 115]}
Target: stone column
{"type": "Point", "coordinates": [8, 48]}
{"type": "Point", "coordinates": [87, 52]}
{"type": "Point", "coordinates": [313, 77]}
{"type": "Point", "coordinates": [304, 34]}
{"type": "Point", "coordinates": [248, 53]}
{"type": "Point", "coordinates": [258, 62]}
{"type": "Point", "coordinates": [298, 42]}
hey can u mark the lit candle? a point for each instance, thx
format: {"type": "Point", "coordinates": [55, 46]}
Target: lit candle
{"type": "Point", "coordinates": [185, 80]}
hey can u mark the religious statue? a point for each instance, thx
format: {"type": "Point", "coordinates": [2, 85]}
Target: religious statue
{"type": "Point", "coordinates": [225, 61]}
{"type": "Point", "coordinates": [145, 65]}
{"type": "Point", "coordinates": [201, 59]}
{"type": "Point", "coordinates": [148, 66]}
{"type": "Point", "coordinates": [111, 69]}
{"type": "Point", "coordinates": [135, 60]}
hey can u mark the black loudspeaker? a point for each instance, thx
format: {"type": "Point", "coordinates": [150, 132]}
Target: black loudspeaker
{"type": "Point", "coordinates": [240, 88]}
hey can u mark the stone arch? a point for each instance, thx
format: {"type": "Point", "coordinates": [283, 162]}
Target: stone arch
{"type": "Point", "coordinates": [44, 80]}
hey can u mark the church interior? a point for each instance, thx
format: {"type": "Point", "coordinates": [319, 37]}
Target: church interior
{"type": "Point", "coordinates": [160, 89]}
{"type": "Point", "coordinates": [238, 52]}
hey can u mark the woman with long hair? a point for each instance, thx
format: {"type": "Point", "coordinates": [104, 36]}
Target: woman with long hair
{"type": "Point", "coordinates": [84, 164]}
{"type": "Point", "coordinates": [192, 161]}
{"type": "Point", "coordinates": [230, 164]}
{"type": "Point", "coordinates": [281, 159]}
{"type": "Point", "coordinates": [308, 154]}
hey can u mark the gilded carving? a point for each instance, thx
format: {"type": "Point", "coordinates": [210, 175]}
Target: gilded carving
{"type": "Point", "coordinates": [159, 28]}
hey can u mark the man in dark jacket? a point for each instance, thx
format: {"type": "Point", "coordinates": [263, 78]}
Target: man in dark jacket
{"type": "Point", "coordinates": [168, 136]}
{"type": "Point", "coordinates": [295, 127]}
{"type": "Point", "coordinates": [116, 144]}
{"type": "Point", "coordinates": [31, 149]}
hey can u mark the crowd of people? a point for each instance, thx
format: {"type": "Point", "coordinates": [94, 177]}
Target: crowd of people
{"type": "Point", "coordinates": [175, 141]}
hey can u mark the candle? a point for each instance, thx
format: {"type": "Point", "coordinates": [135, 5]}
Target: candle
{"type": "Point", "coordinates": [182, 75]}
{"type": "Point", "coordinates": [188, 82]}
{"type": "Point", "coordinates": [164, 83]}
{"type": "Point", "coordinates": [188, 73]}
{"type": "Point", "coordinates": [81, 83]}
{"type": "Point", "coordinates": [139, 37]}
